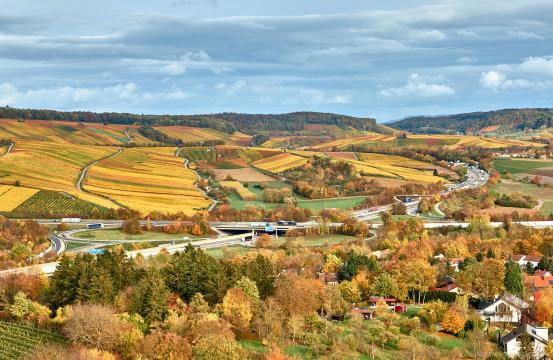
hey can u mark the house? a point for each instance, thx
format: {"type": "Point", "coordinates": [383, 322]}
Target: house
{"type": "Point", "coordinates": [451, 288]}
{"type": "Point", "coordinates": [522, 260]}
{"type": "Point", "coordinates": [367, 314]}
{"type": "Point", "coordinates": [328, 278]}
{"type": "Point", "coordinates": [507, 308]}
{"type": "Point", "coordinates": [454, 263]}
{"type": "Point", "coordinates": [393, 304]}
{"type": "Point", "coordinates": [510, 343]}
{"type": "Point", "coordinates": [539, 284]}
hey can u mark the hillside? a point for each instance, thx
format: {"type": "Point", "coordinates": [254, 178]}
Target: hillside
{"type": "Point", "coordinates": [225, 122]}
{"type": "Point", "coordinates": [500, 121]}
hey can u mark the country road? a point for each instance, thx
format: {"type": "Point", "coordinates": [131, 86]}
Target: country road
{"type": "Point", "coordinates": [131, 139]}
{"type": "Point", "coordinates": [185, 164]}
{"type": "Point", "coordinates": [79, 183]}
{"type": "Point", "coordinates": [10, 148]}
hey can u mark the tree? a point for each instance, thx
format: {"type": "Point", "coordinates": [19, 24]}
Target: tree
{"type": "Point", "coordinates": [490, 278]}
{"type": "Point", "coordinates": [353, 263]}
{"type": "Point", "coordinates": [385, 285]}
{"type": "Point", "coordinates": [526, 351]}
{"type": "Point", "coordinates": [350, 292]}
{"type": "Point", "coordinates": [513, 279]}
{"type": "Point", "coordinates": [415, 276]}
{"type": "Point", "coordinates": [216, 347]}
{"type": "Point", "coordinates": [194, 271]}
{"type": "Point", "coordinates": [249, 288]}
{"type": "Point", "coordinates": [298, 295]}
{"type": "Point", "coordinates": [24, 309]}
{"type": "Point", "coordinates": [544, 307]}
{"type": "Point", "coordinates": [433, 312]}
{"type": "Point", "coordinates": [263, 241]}
{"type": "Point", "coordinates": [332, 264]}
{"type": "Point", "coordinates": [237, 309]}
{"type": "Point", "coordinates": [94, 326]}
{"type": "Point", "coordinates": [160, 345]}
{"type": "Point", "coordinates": [150, 297]}
{"type": "Point", "coordinates": [549, 350]}
{"type": "Point", "coordinates": [260, 270]}
{"type": "Point", "coordinates": [453, 321]}
{"type": "Point", "coordinates": [132, 226]}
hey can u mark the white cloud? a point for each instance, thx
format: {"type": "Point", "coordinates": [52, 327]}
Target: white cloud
{"type": "Point", "coordinates": [232, 87]}
{"type": "Point", "coordinates": [416, 86]}
{"type": "Point", "coordinates": [497, 80]}
{"type": "Point", "coordinates": [317, 97]}
{"type": "Point", "coordinates": [174, 68]}
{"type": "Point", "coordinates": [467, 60]}
{"type": "Point", "coordinates": [77, 97]}
{"type": "Point", "coordinates": [538, 65]}
{"type": "Point", "coordinates": [525, 35]}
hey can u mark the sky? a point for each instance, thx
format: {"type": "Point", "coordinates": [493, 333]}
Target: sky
{"type": "Point", "coordinates": [368, 58]}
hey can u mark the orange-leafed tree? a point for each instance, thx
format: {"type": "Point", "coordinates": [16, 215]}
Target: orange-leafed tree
{"type": "Point", "coordinates": [544, 307]}
{"type": "Point", "coordinates": [453, 321]}
{"type": "Point", "coordinates": [237, 309]}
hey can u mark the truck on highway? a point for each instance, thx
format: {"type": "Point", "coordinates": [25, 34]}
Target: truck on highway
{"type": "Point", "coordinates": [95, 226]}
{"type": "Point", "coordinates": [71, 220]}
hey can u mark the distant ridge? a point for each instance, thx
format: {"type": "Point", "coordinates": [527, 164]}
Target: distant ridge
{"type": "Point", "coordinates": [225, 122]}
{"type": "Point", "coordinates": [473, 122]}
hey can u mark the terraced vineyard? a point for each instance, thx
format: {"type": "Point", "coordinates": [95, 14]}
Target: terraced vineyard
{"type": "Point", "coordinates": [198, 153]}
{"type": "Point", "coordinates": [280, 163]}
{"type": "Point", "coordinates": [18, 341]}
{"type": "Point", "coordinates": [52, 166]}
{"type": "Point", "coordinates": [57, 203]}
{"type": "Point", "coordinates": [192, 134]}
{"type": "Point", "coordinates": [147, 179]}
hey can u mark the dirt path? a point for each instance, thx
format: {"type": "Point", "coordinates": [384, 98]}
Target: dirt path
{"type": "Point", "coordinates": [131, 139]}
{"type": "Point", "coordinates": [10, 148]}
{"type": "Point", "coordinates": [79, 184]}
{"type": "Point", "coordinates": [186, 162]}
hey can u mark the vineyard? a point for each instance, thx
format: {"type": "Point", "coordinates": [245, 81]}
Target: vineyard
{"type": "Point", "coordinates": [147, 179]}
{"type": "Point", "coordinates": [65, 132]}
{"type": "Point", "coordinates": [280, 163]}
{"type": "Point", "coordinates": [249, 155]}
{"type": "Point", "coordinates": [58, 204]}
{"type": "Point", "coordinates": [192, 134]}
{"type": "Point", "coordinates": [237, 187]}
{"type": "Point", "coordinates": [12, 196]}
{"type": "Point", "coordinates": [18, 341]}
{"type": "Point", "coordinates": [194, 154]}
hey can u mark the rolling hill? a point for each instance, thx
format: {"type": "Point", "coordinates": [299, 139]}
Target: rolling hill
{"type": "Point", "coordinates": [500, 121]}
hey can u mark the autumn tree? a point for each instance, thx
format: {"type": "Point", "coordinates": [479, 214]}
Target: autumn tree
{"type": "Point", "coordinates": [298, 295]}
{"type": "Point", "coordinates": [237, 309]}
{"type": "Point", "coordinates": [453, 321]}
{"type": "Point", "coordinates": [544, 307]}
{"type": "Point", "coordinates": [332, 264]}
{"type": "Point", "coordinates": [490, 279]}
{"type": "Point", "coordinates": [216, 347]}
{"type": "Point", "coordinates": [263, 241]}
{"type": "Point", "coordinates": [385, 285]}
{"type": "Point", "coordinates": [132, 226]}
{"type": "Point", "coordinates": [164, 345]}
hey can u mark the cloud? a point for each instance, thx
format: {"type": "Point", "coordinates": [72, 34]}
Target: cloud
{"type": "Point", "coordinates": [538, 65]}
{"type": "Point", "coordinates": [319, 97]}
{"type": "Point", "coordinates": [174, 68]}
{"type": "Point", "coordinates": [69, 97]}
{"type": "Point", "coordinates": [525, 35]}
{"type": "Point", "coordinates": [232, 87]}
{"type": "Point", "coordinates": [417, 87]}
{"type": "Point", "coordinates": [497, 80]}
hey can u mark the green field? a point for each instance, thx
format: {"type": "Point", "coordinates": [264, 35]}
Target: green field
{"type": "Point", "coordinates": [519, 166]}
{"type": "Point", "coordinates": [17, 341]}
{"type": "Point", "coordinates": [544, 194]}
{"type": "Point", "coordinates": [116, 234]}
{"type": "Point", "coordinates": [314, 205]}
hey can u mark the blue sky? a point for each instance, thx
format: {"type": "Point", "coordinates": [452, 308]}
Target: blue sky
{"type": "Point", "coordinates": [356, 57]}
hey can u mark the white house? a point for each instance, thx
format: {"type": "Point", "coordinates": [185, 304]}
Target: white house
{"type": "Point", "coordinates": [505, 309]}
{"type": "Point", "coordinates": [522, 260]}
{"type": "Point", "coordinates": [510, 343]}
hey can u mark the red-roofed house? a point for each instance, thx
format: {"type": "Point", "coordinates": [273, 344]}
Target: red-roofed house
{"type": "Point", "coordinates": [452, 288]}
{"type": "Point", "coordinates": [540, 283]}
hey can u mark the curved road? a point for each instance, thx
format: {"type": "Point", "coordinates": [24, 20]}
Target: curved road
{"type": "Point", "coordinates": [10, 148]}
{"type": "Point", "coordinates": [79, 184]}
{"type": "Point", "coordinates": [186, 161]}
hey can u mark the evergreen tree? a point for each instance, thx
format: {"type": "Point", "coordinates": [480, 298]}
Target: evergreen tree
{"type": "Point", "coordinates": [526, 351]}
{"type": "Point", "coordinates": [260, 271]}
{"type": "Point", "coordinates": [513, 278]}
{"type": "Point", "coordinates": [150, 297]}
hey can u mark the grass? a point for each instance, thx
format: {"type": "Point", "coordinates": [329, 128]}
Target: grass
{"type": "Point", "coordinates": [519, 166]}
{"type": "Point", "coordinates": [542, 193]}
{"type": "Point", "coordinates": [116, 234]}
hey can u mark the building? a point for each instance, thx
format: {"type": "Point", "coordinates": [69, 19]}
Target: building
{"type": "Point", "coordinates": [328, 278]}
{"type": "Point", "coordinates": [522, 260]}
{"type": "Point", "coordinates": [510, 343]}
{"type": "Point", "coordinates": [539, 284]}
{"type": "Point", "coordinates": [451, 288]}
{"type": "Point", "coordinates": [507, 308]}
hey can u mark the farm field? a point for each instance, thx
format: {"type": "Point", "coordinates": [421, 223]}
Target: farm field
{"type": "Point", "coordinates": [193, 134]}
{"type": "Point", "coordinates": [13, 196]}
{"type": "Point", "coordinates": [52, 202]}
{"type": "Point", "coordinates": [243, 175]}
{"type": "Point", "coordinates": [280, 163]}
{"type": "Point", "coordinates": [49, 166]}
{"type": "Point", "coordinates": [17, 341]}
{"type": "Point", "coordinates": [68, 132]}
{"type": "Point", "coordinates": [147, 179]}
{"type": "Point", "coordinates": [544, 194]}
{"type": "Point", "coordinates": [394, 167]}
{"type": "Point", "coordinates": [239, 189]}
{"type": "Point", "coordinates": [515, 166]}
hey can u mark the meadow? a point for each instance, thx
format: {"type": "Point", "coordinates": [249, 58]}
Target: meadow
{"type": "Point", "coordinates": [516, 166]}
{"type": "Point", "coordinates": [147, 180]}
